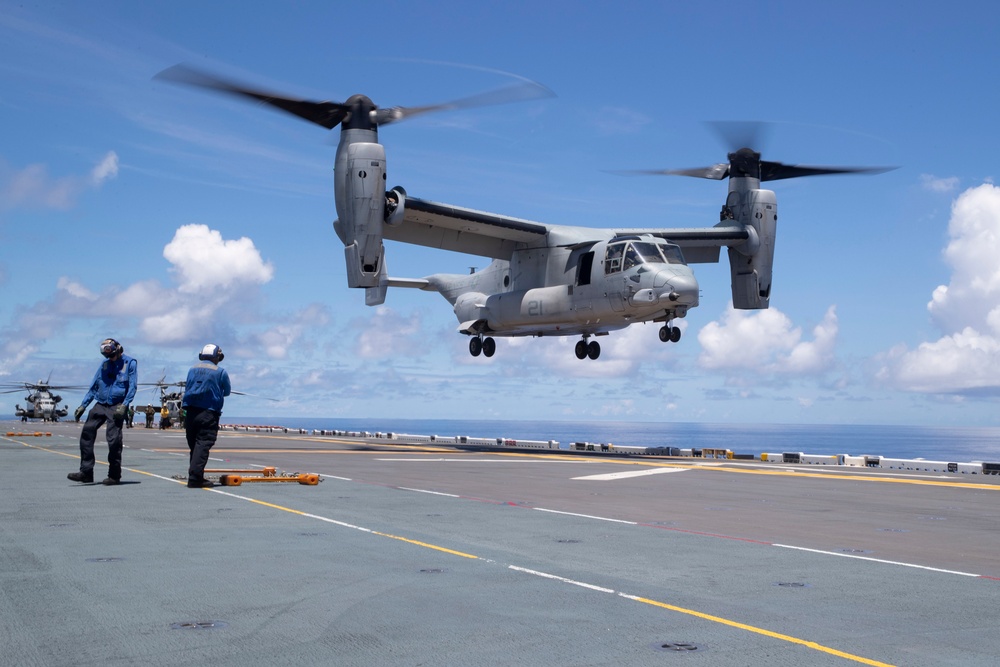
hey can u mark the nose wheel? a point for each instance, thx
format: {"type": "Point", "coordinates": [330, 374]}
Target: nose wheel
{"type": "Point", "coordinates": [669, 333]}
{"type": "Point", "coordinates": [485, 346]}
{"type": "Point", "coordinates": [585, 349]}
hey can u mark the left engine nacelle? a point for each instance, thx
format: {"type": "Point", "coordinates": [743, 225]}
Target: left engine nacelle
{"type": "Point", "coordinates": [360, 188]}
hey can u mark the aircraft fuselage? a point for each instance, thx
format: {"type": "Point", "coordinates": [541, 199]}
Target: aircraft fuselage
{"type": "Point", "coordinates": [562, 291]}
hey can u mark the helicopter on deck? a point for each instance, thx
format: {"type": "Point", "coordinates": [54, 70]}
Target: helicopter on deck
{"type": "Point", "coordinates": [41, 401]}
{"type": "Point", "coordinates": [171, 400]}
{"type": "Point", "coordinates": [168, 404]}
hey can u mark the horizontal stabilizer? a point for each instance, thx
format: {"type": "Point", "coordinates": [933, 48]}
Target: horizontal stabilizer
{"type": "Point", "coordinates": [412, 283]}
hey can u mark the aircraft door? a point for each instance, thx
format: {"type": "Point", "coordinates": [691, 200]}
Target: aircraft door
{"type": "Point", "coordinates": [582, 294]}
{"type": "Point", "coordinates": [584, 268]}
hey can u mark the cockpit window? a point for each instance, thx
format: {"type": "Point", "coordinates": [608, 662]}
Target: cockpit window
{"type": "Point", "coordinates": [622, 256]}
{"type": "Point", "coordinates": [632, 257]}
{"type": "Point", "coordinates": [673, 254]}
{"type": "Point", "coordinates": [650, 252]}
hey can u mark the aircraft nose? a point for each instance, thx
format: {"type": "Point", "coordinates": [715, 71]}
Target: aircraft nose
{"type": "Point", "coordinates": [681, 289]}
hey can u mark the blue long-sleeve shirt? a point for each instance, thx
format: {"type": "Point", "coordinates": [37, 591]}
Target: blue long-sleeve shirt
{"type": "Point", "coordinates": [114, 382]}
{"type": "Point", "coordinates": [206, 387]}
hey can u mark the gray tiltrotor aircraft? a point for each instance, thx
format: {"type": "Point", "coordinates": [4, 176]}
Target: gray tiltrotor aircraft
{"type": "Point", "coordinates": [544, 280]}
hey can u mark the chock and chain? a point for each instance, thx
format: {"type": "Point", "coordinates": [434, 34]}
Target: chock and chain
{"type": "Point", "coordinates": [240, 476]}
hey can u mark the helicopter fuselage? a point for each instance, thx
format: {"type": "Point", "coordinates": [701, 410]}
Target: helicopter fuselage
{"type": "Point", "coordinates": [42, 405]}
{"type": "Point", "coordinates": [564, 291]}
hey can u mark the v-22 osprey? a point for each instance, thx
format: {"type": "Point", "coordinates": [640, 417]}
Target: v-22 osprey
{"type": "Point", "coordinates": [544, 279]}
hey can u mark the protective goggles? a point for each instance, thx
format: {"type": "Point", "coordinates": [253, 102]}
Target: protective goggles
{"type": "Point", "coordinates": [109, 347]}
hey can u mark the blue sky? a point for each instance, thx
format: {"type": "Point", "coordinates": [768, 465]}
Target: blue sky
{"type": "Point", "coordinates": [169, 218]}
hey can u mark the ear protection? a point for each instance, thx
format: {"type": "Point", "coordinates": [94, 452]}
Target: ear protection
{"type": "Point", "coordinates": [110, 347]}
{"type": "Point", "coordinates": [211, 353]}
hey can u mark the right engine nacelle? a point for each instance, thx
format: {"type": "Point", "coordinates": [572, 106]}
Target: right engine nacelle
{"type": "Point", "coordinates": [750, 262]}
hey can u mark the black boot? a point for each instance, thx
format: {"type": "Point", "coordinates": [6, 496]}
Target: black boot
{"type": "Point", "coordinates": [85, 477]}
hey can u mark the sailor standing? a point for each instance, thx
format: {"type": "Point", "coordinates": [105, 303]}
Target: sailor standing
{"type": "Point", "coordinates": [113, 386]}
{"type": "Point", "coordinates": [205, 390]}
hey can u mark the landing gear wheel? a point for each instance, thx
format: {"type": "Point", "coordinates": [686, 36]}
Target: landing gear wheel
{"type": "Point", "coordinates": [669, 333]}
{"type": "Point", "coordinates": [489, 347]}
{"type": "Point", "coordinates": [581, 349]}
{"type": "Point", "coordinates": [475, 346]}
{"type": "Point", "coordinates": [594, 349]}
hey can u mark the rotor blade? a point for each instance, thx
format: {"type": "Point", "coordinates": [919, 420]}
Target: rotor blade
{"type": "Point", "coordinates": [325, 114]}
{"type": "Point", "coordinates": [13, 391]}
{"type": "Point", "coordinates": [769, 171]}
{"type": "Point", "coordinates": [240, 393]}
{"type": "Point", "coordinates": [518, 92]}
{"type": "Point", "coordinates": [736, 134]}
{"type": "Point", "coordinates": [776, 171]}
{"type": "Point", "coordinates": [716, 172]}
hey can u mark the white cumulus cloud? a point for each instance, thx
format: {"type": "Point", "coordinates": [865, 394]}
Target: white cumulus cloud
{"type": "Point", "coordinates": [216, 281]}
{"type": "Point", "coordinates": [966, 359]}
{"type": "Point", "coordinates": [203, 261]}
{"type": "Point", "coordinates": [973, 253]}
{"type": "Point", "coordinates": [766, 341]}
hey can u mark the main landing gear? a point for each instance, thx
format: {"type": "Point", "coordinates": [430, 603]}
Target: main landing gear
{"type": "Point", "coordinates": [669, 333]}
{"type": "Point", "coordinates": [479, 345]}
{"type": "Point", "coordinates": [585, 349]}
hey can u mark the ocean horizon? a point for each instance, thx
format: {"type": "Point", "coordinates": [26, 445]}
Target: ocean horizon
{"type": "Point", "coordinates": [938, 443]}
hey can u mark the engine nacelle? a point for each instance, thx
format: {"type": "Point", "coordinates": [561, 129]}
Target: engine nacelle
{"type": "Point", "coordinates": [395, 206]}
{"type": "Point", "coordinates": [750, 262]}
{"type": "Point", "coordinates": [360, 187]}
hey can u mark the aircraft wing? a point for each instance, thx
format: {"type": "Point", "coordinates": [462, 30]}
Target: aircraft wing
{"type": "Point", "coordinates": [464, 230]}
{"type": "Point", "coordinates": [467, 230]}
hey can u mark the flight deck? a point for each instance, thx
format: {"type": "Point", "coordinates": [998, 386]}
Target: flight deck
{"type": "Point", "coordinates": [423, 554]}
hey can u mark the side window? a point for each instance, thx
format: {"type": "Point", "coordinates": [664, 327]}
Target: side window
{"type": "Point", "coordinates": [613, 258]}
{"type": "Point", "coordinates": [583, 269]}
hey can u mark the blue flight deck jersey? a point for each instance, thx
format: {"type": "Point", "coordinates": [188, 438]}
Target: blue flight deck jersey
{"type": "Point", "coordinates": [206, 387]}
{"type": "Point", "coordinates": [114, 382]}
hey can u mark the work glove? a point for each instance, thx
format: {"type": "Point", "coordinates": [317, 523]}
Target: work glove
{"type": "Point", "coordinates": [79, 412]}
{"type": "Point", "coordinates": [120, 411]}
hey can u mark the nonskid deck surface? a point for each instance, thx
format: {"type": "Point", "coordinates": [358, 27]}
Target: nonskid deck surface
{"type": "Point", "coordinates": [408, 555]}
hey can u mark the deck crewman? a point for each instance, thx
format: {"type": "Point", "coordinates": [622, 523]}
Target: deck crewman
{"type": "Point", "coordinates": [113, 386]}
{"type": "Point", "coordinates": [205, 390]}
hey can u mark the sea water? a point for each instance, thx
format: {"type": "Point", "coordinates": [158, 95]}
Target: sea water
{"type": "Point", "coordinates": [959, 444]}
